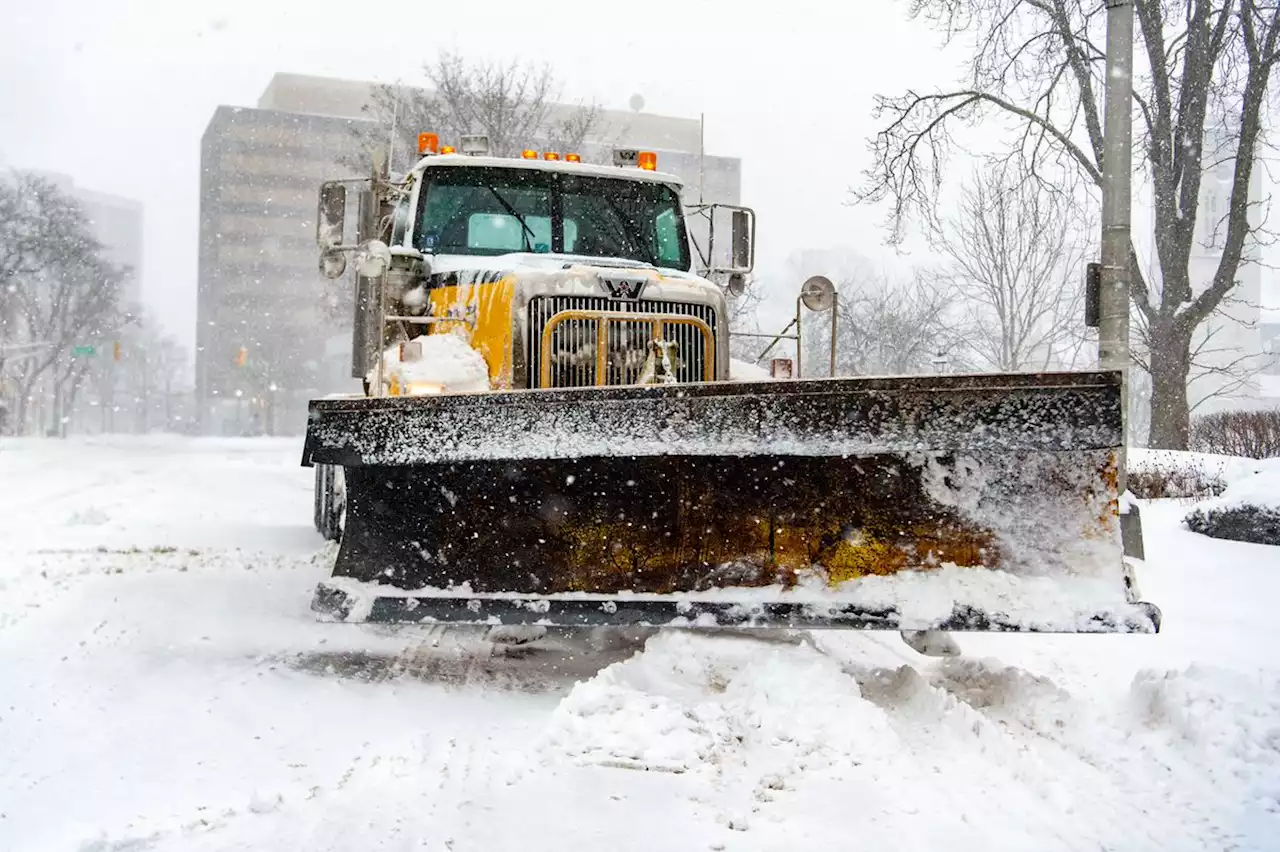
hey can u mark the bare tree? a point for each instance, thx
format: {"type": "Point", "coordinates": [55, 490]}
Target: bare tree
{"type": "Point", "coordinates": [1013, 258]}
{"type": "Point", "coordinates": [143, 385]}
{"type": "Point", "coordinates": [885, 327]}
{"type": "Point", "coordinates": [1201, 101]}
{"type": "Point", "coordinates": [58, 290]}
{"type": "Point", "coordinates": [510, 102]}
{"type": "Point", "coordinates": [744, 318]}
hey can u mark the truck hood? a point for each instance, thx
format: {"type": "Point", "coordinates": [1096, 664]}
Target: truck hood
{"type": "Point", "coordinates": [515, 261]}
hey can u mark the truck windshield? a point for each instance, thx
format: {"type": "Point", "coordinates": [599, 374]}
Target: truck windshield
{"type": "Point", "coordinates": [491, 211]}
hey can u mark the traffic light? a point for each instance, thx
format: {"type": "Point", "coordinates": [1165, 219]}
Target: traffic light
{"type": "Point", "coordinates": [116, 350]}
{"type": "Point", "coordinates": [242, 356]}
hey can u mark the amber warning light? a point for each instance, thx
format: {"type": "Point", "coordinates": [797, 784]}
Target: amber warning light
{"type": "Point", "coordinates": [647, 160]}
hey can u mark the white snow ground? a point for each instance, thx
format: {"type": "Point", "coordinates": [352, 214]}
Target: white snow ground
{"type": "Point", "coordinates": [163, 686]}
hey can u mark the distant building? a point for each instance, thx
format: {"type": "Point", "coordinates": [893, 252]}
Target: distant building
{"type": "Point", "coordinates": [117, 223]}
{"type": "Point", "coordinates": [1229, 344]}
{"type": "Point", "coordinates": [259, 287]}
{"type": "Point", "coordinates": [1269, 377]}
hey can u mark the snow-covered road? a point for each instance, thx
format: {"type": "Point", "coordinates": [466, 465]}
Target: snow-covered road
{"type": "Point", "coordinates": [164, 686]}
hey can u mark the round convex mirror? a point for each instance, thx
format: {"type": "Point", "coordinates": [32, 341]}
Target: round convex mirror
{"type": "Point", "coordinates": [818, 294]}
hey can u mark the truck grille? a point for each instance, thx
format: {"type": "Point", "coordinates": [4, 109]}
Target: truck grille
{"type": "Point", "coordinates": [573, 344]}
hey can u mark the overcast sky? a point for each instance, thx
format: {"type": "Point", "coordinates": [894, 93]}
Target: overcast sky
{"type": "Point", "coordinates": [117, 94]}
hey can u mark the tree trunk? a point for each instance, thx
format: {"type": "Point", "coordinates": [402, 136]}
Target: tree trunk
{"type": "Point", "coordinates": [1170, 412]}
{"type": "Point", "coordinates": [22, 411]}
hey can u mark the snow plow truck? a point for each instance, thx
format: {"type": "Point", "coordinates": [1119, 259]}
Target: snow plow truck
{"type": "Point", "coordinates": [549, 433]}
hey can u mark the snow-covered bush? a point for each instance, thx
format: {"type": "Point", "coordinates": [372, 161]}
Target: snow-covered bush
{"type": "Point", "coordinates": [1162, 474]}
{"type": "Point", "coordinates": [1164, 482]}
{"type": "Point", "coordinates": [1245, 523]}
{"type": "Point", "coordinates": [1248, 510]}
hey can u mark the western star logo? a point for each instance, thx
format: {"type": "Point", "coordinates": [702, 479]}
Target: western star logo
{"type": "Point", "coordinates": [623, 288]}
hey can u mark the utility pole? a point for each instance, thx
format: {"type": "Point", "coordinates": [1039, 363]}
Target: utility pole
{"type": "Point", "coordinates": [1117, 154]}
{"type": "Point", "coordinates": [146, 392]}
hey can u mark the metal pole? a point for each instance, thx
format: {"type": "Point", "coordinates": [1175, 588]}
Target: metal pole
{"type": "Point", "coordinates": [395, 120]}
{"type": "Point", "coordinates": [835, 312]}
{"type": "Point", "coordinates": [1113, 328]}
{"type": "Point", "coordinates": [111, 396]}
{"type": "Point", "coordinates": [782, 335]}
{"type": "Point", "coordinates": [702, 123]}
{"type": "Point", "coordinates": [146, 393]}
{"type": "Point", "coordinates": [799, 338]}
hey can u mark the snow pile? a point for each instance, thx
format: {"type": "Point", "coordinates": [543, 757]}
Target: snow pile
{"type": "Point", "coordinates": [745, 371]}
{"type": "Point", "coordinates": [445, 361]}
{"type": "Point", "coordinates": [750, 720]}
{"type": "Point", "coordinates": [1249, 509]}
{"type": "Point", "coordinates": [1228, 468]}
{"type": "Point", "coordinates": [789, 745]}
{"type": "Point", "coordinates": [1259, 488]}
{"type": "Point", "coordinates": [1157, 474]}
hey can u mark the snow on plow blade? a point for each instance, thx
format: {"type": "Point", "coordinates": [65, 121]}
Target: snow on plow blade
{"type": "Point", "coordinates": [960, 502]}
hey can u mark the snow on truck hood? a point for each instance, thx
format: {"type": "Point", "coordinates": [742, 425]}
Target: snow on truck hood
{"type": "Point", "coordinates": [577, 275]}
{"type": "Point", "coordinates": [513, 261]}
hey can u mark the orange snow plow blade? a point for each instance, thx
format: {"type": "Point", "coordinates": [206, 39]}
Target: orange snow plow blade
{"type": "Point", "coordinates": [960, 502]}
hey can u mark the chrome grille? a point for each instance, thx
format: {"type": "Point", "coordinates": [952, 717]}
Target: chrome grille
{"type": "Point", "coordinates": [573, 342]}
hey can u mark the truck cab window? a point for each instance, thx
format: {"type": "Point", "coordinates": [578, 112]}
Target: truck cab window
{"type": "Point", "coordinates": [491, 211]}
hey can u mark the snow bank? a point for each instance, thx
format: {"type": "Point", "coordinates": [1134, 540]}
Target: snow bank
{"type": "Point", "coordinates": [1249, 509]}
{"type": "Point", "coordinates": [1208, 465]}
{"type": "Point", "coordinates": [443, 360]}
{"type": "Point", "coordinates": [1259, 488]}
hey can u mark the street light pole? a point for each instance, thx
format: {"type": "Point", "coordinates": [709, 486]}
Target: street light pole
{"type": "Point", "coordinates": [1117, 153]}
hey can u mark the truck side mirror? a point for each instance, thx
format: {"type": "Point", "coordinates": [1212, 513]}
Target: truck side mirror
{"type": "Point", "coordinates": [331, 214]}
{"type": "Point", "coordinates": [742, 248]}
{"type": "Point", "coordinates": [742, 230]}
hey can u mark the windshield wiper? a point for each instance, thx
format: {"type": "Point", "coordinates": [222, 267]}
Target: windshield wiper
{"type": "Point", "coordinates": [528, 232]}
{"type": "Point", "coordinates": [634, 236]}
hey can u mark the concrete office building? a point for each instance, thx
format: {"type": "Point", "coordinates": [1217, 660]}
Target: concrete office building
{"type": "Point", "coordinates": [259, 287]}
